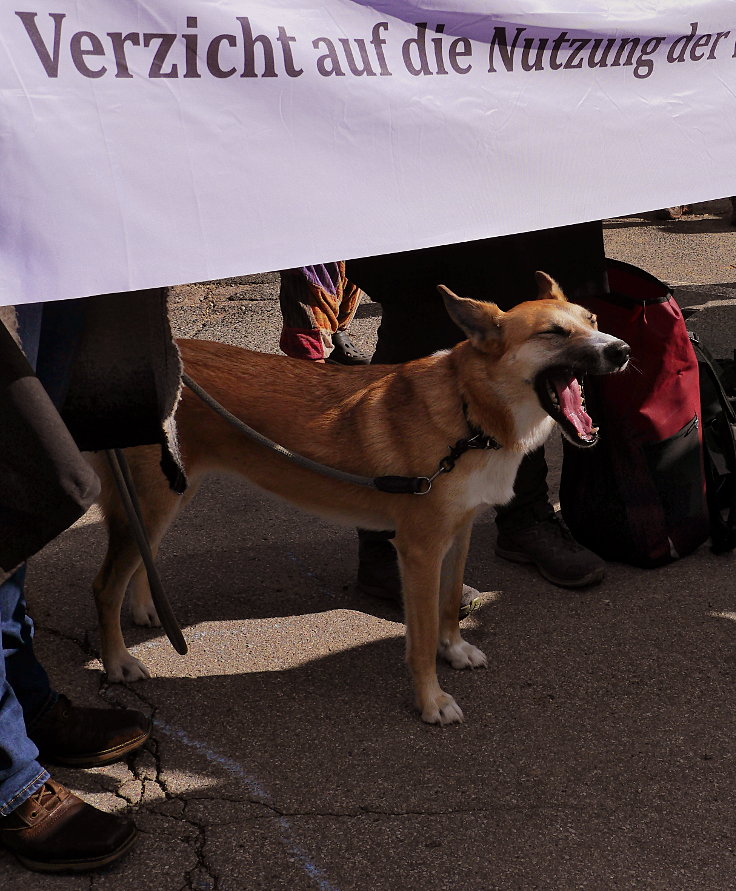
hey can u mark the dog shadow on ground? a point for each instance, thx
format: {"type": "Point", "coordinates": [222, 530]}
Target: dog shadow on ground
{"type": "Point", "coordinates": [603, 726]}
{"type": "Point", "coordinates": [230, 555]}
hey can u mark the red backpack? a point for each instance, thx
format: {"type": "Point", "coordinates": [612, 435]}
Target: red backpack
{"type": "Point", "coordinates": [638, 496]}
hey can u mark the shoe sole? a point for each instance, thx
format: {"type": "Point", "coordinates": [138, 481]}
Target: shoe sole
{"type": "Point", "coordinates": [98, 759]}
{"type": "Point", "coordinates": [74, 866]}
{"type": "Point", "coordinates": [593, 578]}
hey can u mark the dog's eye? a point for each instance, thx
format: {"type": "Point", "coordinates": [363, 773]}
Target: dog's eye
{"type": "Point", "coordinates": [557, 331]}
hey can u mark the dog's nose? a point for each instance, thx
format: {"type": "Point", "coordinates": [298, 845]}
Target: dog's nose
{"type": "Point", "coordinates": [617, 353]}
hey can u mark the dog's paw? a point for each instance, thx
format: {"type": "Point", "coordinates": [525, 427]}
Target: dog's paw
{"type": "Point", "coordinates": [463, 655]}
{"type": "Point", "coordinates": [125, 669]}
{"type": "Point", "coordinates": [442, 709]}
{"type": "Point", "coordinates": [145, 614]}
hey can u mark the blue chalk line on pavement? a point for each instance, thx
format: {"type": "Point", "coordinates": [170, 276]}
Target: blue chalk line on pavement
{"type": "Point", "coordinates": [258, 791]}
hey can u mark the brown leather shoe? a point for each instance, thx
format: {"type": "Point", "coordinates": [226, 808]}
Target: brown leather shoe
{"type": "Point", "coordinates": [55, 831]}
{"type": "Point", "coordinates": [88, 737]}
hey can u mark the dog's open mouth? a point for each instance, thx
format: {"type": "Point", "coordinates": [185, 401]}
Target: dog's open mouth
{"type": "Point", "coordinates": [561, 395]}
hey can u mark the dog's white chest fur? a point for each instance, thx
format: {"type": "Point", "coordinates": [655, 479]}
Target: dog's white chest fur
{"type": "Point", "coordinates": [492, 482]}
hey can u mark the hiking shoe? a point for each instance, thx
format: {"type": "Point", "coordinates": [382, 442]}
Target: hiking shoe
{"type": "Point", "coordinates": [549, 545]}
{"type": "Point", "coordinates": [378, 574]}
{"type": "Point", "coordinates": [378, 566]}
{"type": "Point", "coordinates": [345, 352]}
{"type": "Point", "coordinates": [88, 737]}
{"type": "Point", "coordinates": [672, 213]}
{"type": "Point", "coordinates": [55, 831]}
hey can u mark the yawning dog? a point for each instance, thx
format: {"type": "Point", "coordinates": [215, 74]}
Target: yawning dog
{"type": "Point", "coordinates": [515, 377]}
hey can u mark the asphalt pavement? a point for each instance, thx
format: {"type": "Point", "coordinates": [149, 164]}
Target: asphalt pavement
{"type": "Point", "coordinates": [598, 750]}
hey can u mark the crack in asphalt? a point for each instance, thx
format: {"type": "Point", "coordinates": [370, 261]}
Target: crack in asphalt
{"type": "Point", "coordinates": [84, 643]}
{"type": "Point", "coordinates": [202, 876]}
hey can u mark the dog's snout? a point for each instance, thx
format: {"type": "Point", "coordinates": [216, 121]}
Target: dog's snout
{"type": "Point", "coordinates": [617, 353]}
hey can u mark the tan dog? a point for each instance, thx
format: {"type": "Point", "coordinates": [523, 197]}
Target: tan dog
{"type": "Point", "coordinates": [513, 379]}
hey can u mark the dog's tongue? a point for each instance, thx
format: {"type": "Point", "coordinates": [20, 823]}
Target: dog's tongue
{"type": "Point", "coordinates": [571, 403]}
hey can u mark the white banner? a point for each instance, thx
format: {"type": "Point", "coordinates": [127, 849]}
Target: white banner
{"type": "Point", "coordinates": [171, 141]}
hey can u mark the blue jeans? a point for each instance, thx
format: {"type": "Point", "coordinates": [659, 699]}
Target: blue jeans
{"type": "Point", "coordinates": [25, 691]}
{"type": "Point", "coordinates": [25, 694]}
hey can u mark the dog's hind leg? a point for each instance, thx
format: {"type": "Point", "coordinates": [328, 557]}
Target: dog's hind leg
{"type": "Point", "coordinates": [458, 652]}
{"type": "Point", "coordinates": [121, 561]}
{"type": "Point", "coordinates": [142, 609]}
{"type": "Point", "coordinates": [420, 560]}
{"type": "Point", "coordinates": [159, 506]}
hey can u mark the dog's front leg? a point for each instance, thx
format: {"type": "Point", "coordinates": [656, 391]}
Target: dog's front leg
{"type": "Point", "coordinates": [420, 559]}
{"type": "Point", "coordinates": [458, 652]}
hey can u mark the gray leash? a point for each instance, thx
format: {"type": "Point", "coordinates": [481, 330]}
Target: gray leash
{"type": "Point", "coordinates": [126, 488]}
{"type": "Point", "coordinates": [396, 485]}
{"type": "Point", "coordinates": [419, 485]}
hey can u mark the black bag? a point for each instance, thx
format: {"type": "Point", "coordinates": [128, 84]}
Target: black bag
{"type": "Point", "coordinates": [718, 423]}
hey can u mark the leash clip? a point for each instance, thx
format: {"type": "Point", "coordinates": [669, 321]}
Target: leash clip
{"type": "Point", "coordinates": [424, 485]}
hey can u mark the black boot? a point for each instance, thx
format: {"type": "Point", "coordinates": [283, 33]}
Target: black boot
{"type": "Point", "coordinates": [548, 544]}
{"type": "Point", "coordinates": [378, 571]}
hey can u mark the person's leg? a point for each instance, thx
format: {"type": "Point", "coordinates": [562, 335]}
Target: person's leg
{"type": "Point", "coordinates": [529, 531]}
{"type": "Point", "coordinates": [42, 823]}
{"type": "Point", "coordinates": [317, 305]}
{"type": "Point", "coordinates": [60, 335]}
{"type": "Point", "coordinates": [23, 671]}
{"type": "Point", "coordinates": [309, 312]}
{"type": "Point", "coordinates": [401, 338]}
{"type": "Point", "coordinates": [64, 734]}
{"type": "Point", "coordinates": [344, 350]}
{"type": "Point", "coordinates": [20, 773]}
{"type": "Point", "coordinates": [46, 826]}
{"type": "Point", "coordinates": [414, 323]}
{"type": "Point", "coordinates": [530, 503]}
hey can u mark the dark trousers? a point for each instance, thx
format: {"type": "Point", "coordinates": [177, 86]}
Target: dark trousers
{"type": "Point", "coordinates": [414, 322]}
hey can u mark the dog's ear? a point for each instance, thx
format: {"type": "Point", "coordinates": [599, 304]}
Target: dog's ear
{"type": "Point", "coordinates": [480, 321]}
{"type": "Point", "coordinates": [548, 289]}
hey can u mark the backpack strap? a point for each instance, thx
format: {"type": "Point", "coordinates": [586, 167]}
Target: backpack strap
{"type": "Point", "coordinates": [723, 531]}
